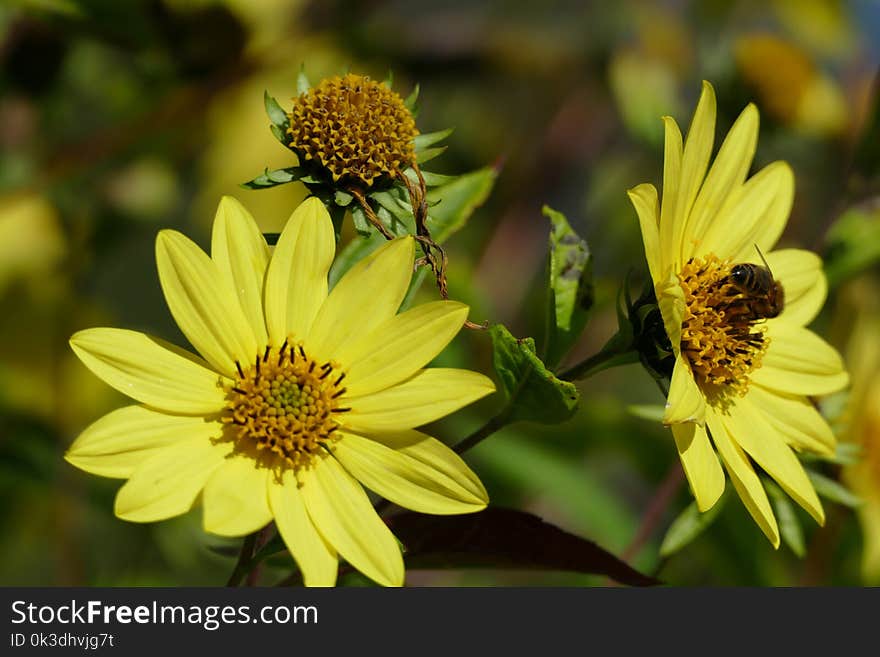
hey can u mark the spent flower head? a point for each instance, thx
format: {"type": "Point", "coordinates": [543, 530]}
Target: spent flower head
{"type": "Point", "coordinates": [734, 310]}
{"type": "Point", "coordinates": [299, 396]}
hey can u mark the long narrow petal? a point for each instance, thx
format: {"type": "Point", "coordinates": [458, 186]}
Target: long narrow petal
{"type": "Point", "coordinates": [400, 346]}
{"type": "Point", "coordinates": [116, 444]}
{"type": "Point", "coordinates": [422, 474]}
{"type": "Point", "coordinates": [168, 483]}
{"type": "Point", "coordinates": [694, 161]}
{"type": "Point", "coordinates": [799, 362]}
{"type": "Point", "coordinates": [796, 418]}
{"type": "Point", "coordinates": [368, 295]}
{"type": "Point", "coordinates": [670, 299]}
{"type": "Point", "coordinates": [685, 402]}
{"type": "Point", "coordinates": [427, 396]}
{"type": "Point", "coordinates": [236, 498]}
{"type": "Point", "coordinates": [645, 201]}
{"type": "Point", "coordinates": [150, 370]}
{"type": "Point", "coordinates": [296, 282]}
{"type": "Point", "coordinates": [755, 214]}
{"type": "Point", "coordinates": [342, 512]}
{"type": "Point", "coordinates": [701, 466]}
{"type": "Point", "coordinates": [727, 173]}
{"type": "Point", "coordinates": [672, 152]}
{"type": "Point", "coordinates": [316, 559]}
{"type": "Point", "coordinates": [242, 255]}
{"type": "Point", "coordinates": [742, 474]}
{"type": "Point", "coordinates": [205, 307]}
{"type": "Point", "coordinates": [751, 431]}
{"type": "Point", "coordinates": [803, 281]}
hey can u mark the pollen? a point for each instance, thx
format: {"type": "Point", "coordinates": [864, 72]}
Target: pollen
{"type": "Point", "coordinates": [284, 406]}
{"type": "Point", "coordinates": [356, 129]}
{"type": "Point", "coordinates": [722, 344]}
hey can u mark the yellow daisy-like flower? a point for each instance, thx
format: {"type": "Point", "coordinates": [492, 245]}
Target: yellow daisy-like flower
{"type": "Point", "coordinates": [745, 366]}
{"type": "Point", "coordinates": [299, 397]}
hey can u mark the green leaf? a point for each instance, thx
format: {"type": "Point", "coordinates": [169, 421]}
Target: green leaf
{"type": "Point", "coordinates": [534, 394]}
{"type": "Point", "coordinates": [411, 101]}
{"type": "Point", "coordinates": [302, 82]}
{"type": "Point", "coordinates": [342, 199]}
{"type": "Point", "coordinates": [277, 177]}
{"type": "Point", "coordinates": [431, 138]}
{"type": "Point", "coordinates": [833, 490]}
{"type": "Point", "coordinates": [571, 287]}
{"type": "Point", "coordinates": [854, 243]}
{"type": "Point", "coordinates": [429, 154]}
{"type": "Point", "coordinates": [276, 114]}
{"type": "Point", "coordinates": [504, 538]}
{"type": "Point", "coordinates": [431, 179]}
{"type": "Point", "coordinates": [689, 524]}
{"type": "Point", "coordinates": [789, 526]}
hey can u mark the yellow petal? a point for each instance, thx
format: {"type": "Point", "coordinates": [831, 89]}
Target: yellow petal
{"type": "Point", "coordinates": [799, 362]}
{"type": "Point", "coordinates": [694, 161]}
{"type": "Point", "coordinates": [168, 483]}
{"type": "Point", "coordinates": [644, 200]}
{"type": "Point", "coordinates": [670, 241]}
{"type": "Point", "coordinates": [316, 559]}
{"type": "Point", "coordinates": [701, 466]}
{"type": "Point", "coordinates": [747, 483]}
{"type": "Point", "coordinates": [755, 214]}
{"type": "Point", "coordinates": [427, 396]}
{"type": "Point", "coordinates": [670, 299]}
{"type": "Point", "coordinates": [400, 346]}
{"type": "Point", "coordinates": [296, 282]}
{"type": "Point", "coordinates": [418, 473]}
{"type": "Point", "coordinates": [796, 418]}
{"type": "Point", "coordinates": [803, 281]}
{"type": "Point", "coordinates": [751, 431]}
{"type": "Point", "coordinates": [242, 255]}
{"type": "Point", "coordinates": [150, 370]}
{"type": "Point", "coordinates": [236, 498]}
{"type": "Point", "coordinates": [685, 402]}
{"type": "Point", "coordinates": [726, 175]}
{"type": "Point", "coordinates": [342, 512]}
{"type": "Point", "coordinates": [368, 295]}
{"type": "Point", "coordinates": [116, 444]}
{"type": "Point", "coordinates": [205, 307]}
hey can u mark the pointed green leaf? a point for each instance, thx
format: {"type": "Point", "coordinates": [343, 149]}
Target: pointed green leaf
{"type": "Point", "coordinates": [276, 114]}
{"type": "Point", "coordinates": [412, 100]}
{"type": "Point", "coordinates": [504, 538]}
{"type": "Point", "coordinates": [789, 526]}
{"type": "Point", "coordinates": [429, 154]}
{"type": "Point", "coordinates": [689, 524]}
{"type": "Point", "coordinates": [276, 177]}
{"type": "Point", "coordinates": [342, 199]}
{"type": "Point", "coordinates": [534, 394]}
{"type": "Point", "coordinates": [431, 138]}
{"type": "Point", "coordinates": [833, 490]}
{"type": "Point", "coordinates": [571, 286]}
{"type": "Point", "coordinates": [278, 133]}
{"type": "Point", "coordinates": [302, 82]}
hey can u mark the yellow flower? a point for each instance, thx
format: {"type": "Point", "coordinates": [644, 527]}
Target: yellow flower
{"type": "Point", "coordinates": [298, 396]}
{"type": "Point", "coordinates": [743, 376]}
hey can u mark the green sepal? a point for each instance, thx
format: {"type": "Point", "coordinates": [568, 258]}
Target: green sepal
{"type": "Point", "coordinates": [533, 393]}
{"type": "Point", "coordinates": [412, 101]}
{"type": "Point", "coordinates": [302, 82]}
{"type": "Point", "coordinates": [422, 142]}
{"type": "Point", "coordinates": [689, 524]}
{"type": "Point", "coordinates": [570, 282]}
{"type": "Point", "coordinates": [279, 177]}
{"type": "Point", "coordinates": [429, 154]}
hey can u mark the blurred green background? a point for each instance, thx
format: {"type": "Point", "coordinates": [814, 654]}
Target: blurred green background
{"type": "Point", "coordinates": [121, 118]}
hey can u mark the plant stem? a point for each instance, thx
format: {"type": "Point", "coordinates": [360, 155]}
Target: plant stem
{"type": "Point", "coordinates": [244, 559]}
{"type": "Point", "coordinates": [494, 424]}
{"type": "Point", "coordinates": [596, 363]}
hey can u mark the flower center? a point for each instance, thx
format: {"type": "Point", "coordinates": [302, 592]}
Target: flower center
{"type": "Point", "coordinates": [354, 127]}
{"type": "Point", "coordinates": [284, 405]}
{"type": "Point", "coordinates": [720, 335]}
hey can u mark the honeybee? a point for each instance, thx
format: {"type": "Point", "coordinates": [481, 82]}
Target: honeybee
{"type": "Point", "coordinates": [760, 295]}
